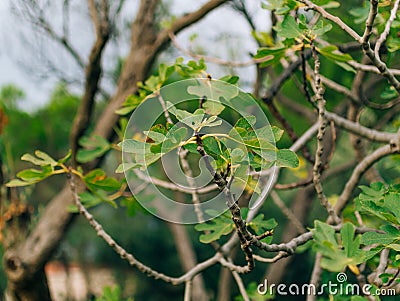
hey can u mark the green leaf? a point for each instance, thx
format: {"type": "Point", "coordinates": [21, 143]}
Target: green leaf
{"type": "Point", "coordinates": [390, 236]}
{"type": "Point", "coordinates": [87, 199]}
{"type": "Point", "coordinates": [289, 28]}
{"type": "Point", "coordinates": [214, 90]}
{"type": "Point", "coordinates": [389, 93]}
{"type": "Point", "coordinates": [46, 158]}
{"type": "Point", "coordinates": [271, 134]}
{"type": "Point", "coordinates": [18, 183]}
{"type": "Point", "coordinates": [97, 179]}
{"type": "Point", "coordinates": [337, 256]}
{"type": "Point", "coordinates": [270, 55]}
{"type": "Point", "coordinates": [219, 226]}
{"type": "Point", "coordinates": [33, 175]}
{"type": "Point", "coordinates": [332, 52]}
{"type": "Point", "coordinates": [259, 225]}
{"type": "Point", "coordinates": [155, 136]}
{"type": "Point", "coordinates": [287, 158]}
{"type": "Point", "coordinates": [95, 146]}
{"type": "Point", "coordinates": [212, 146]}
{"type": "Point", "coordinates": [65, 158]}
{"type": "Point", "coordinates": [230, 79]}
{"type": "Point", "coordinates": [351, 246]}
{"type": "Point", "coordinates": [360, 13]}
{"type": "Point", "coordinates": [321, 28]}
{"type": "Point", "coordinates": [41, 159]}
{"type": "Point", "coordinates": [346, 67]}
{"type": "Point", "coordinates": [213, 107]}
{"type": "Point", "coordinates": [133, 146]}
{"type": "Point", "coordinates": [392, 202]}
{"type": "Point", "coordinates": [132, 102]}
{"type": "Point", "coordinates": [192, 120]}
{"type": "Point", "coordinates": [246, 123]}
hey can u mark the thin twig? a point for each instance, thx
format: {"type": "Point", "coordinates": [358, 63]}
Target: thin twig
{"type": "Point", "coordinates": [332, 18]}
{"type": "Point", "coordinates": [371, 68]}
{"type": "Point", "coordinates": [360, 130]}
{"type": "Point", "coordinates": [214, 60]}
{"type": "Point", "coordinates": [241, 286]}
{"type": "Point", "coordinates": [383, 262]}
{"type": "Point", "coordinates": [373, 11]}
{"type": "Point", "coordinates": [290, 131]}
{"type": "Point", "coordinates": [315, 275]}
{"type": "Point", "coordinates": [173, 186]}
{"type": "Point", "coordinates": [279, 256]}
{"type": "Point", "coordinates": [360, 169]}
{"type": "Point", "coordinates": [188, 290]}
{"type": "Point", "coordinates": [294, 185]}
{"type": "Point", "coordinates": [382, 38]}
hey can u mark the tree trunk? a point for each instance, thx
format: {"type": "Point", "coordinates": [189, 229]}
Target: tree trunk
{"type": "Point", "coordinates": [34, 288]}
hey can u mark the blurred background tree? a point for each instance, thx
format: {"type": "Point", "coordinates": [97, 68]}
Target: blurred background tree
{"type": "Point", "coordinates": [99, 73]}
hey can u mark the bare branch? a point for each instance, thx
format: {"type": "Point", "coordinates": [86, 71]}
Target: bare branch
{"type": "Point", "coordinates": [360, 130]}
{"type": "Point", "coordinates": [214, 60]}
{"type": "Point", "coordinates": [360, 169]}
{"type": "Point", "coordinates": [290, 131]}
{"type": "Point", "coordinates": [319, 99]}
{"type": "Point", "coordinates": [270, 260]}
{"type": "Point", "coordinates": [373, 11]}
{"type": "Point", "coordinates": [188, 291]}
{"type": "Point", "coordinates": [241, 286]}
{"type": "Point", "coordinates": [371, 68]}
{"type": "Point", "coordinates": [315, 275]}
{"type": "Point", "coordinates": [93, 72]}
{"type": "Point", "coordinates": [383, 262]}
{"type": "Point", "coordinates": [283, 77]}
{"type": "Point", "coordinates": [172, 186]}
{"type": "Point", "coordinates": [333, 18]}
{"type": "Point", "coordinates": [382, 38]}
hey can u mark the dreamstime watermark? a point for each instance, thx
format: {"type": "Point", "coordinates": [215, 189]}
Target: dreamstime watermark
{"type": "Point", "coordinates": [330, 288]}
{"type": "Point", "coordinates": [159, 167]}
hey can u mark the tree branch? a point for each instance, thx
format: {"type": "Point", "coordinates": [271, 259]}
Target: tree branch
{"type": "Point", "coordinates": [360, 169]}
{"type": "Point", "coordinates": [93, 72]}
{"type": "Point", "coordinates": [319, 99]}
{"type": "Point", "coordinates": [382, 38]}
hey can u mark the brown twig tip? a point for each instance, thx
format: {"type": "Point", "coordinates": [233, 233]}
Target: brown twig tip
{"type": "Point", "coordinates": [265, 234]}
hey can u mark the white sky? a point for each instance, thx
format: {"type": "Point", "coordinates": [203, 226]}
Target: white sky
{"type": "Point", "coordinates": [15, 54]}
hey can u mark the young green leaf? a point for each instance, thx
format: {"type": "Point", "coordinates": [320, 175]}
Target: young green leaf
{"type": "Point", "coordinates": [41, 159]}
{"type": "Point", "coordinates": [332, 52]}
{"type": "Point", "coordinates": [214, 90]}
{"type": "Point", "coordinates": [391, 235]}
{"type": "Point", "coordinates": [287, 158]}
{"type": "Point", "coordinates": [94, 147]}
{"type": "Point", "coordinates": [221, 225]}
{"type": "Point", "coordinates": [289, 28]}
{"type": "Point", "coordinates": [97, 179]}
{"type": "Point", "coordinates": [259, 225]}
{"type": "Point", "coordinates": [213, 107]}
{"type": "Point", "coordinates": [18, 183]}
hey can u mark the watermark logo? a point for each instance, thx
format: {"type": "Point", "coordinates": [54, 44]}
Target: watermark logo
{"type": "Point", "coordinates": [330, 288]}
{"type": "Point", "coordinates": [158, 169]}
